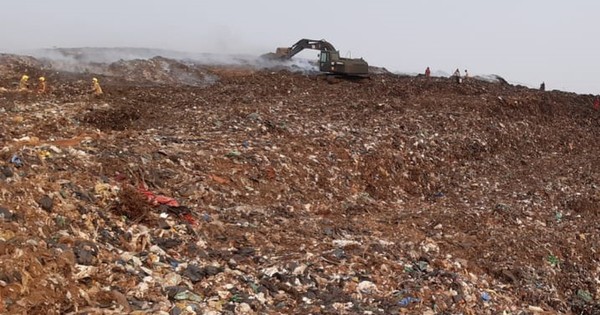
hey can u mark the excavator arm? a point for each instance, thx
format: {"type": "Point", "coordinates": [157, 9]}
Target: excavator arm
{"type": "Point", "coordinates": [302, 44]}
{"type": "Point", "coordinates": [289, 52]}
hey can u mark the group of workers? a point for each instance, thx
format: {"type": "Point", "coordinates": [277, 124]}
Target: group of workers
{"type": "Point", "coordinates": [456, 75]}
{"type": "Point", "coordinates": [24, 84]}
{"type": "Point", "coordinates": [42, 86]}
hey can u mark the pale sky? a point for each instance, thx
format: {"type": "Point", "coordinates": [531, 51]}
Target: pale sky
{"type": "Point", "coordinates": [525, 41]}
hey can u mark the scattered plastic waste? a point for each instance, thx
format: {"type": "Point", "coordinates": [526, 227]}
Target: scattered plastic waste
{"type": "Point", "coordinates": [333, 202]}
{"type": "Point", "coordinates": [6, 214]}
{"type": "Point", "coordinates": [158, 199]}
{"type": "Point", "coordinates": [486, 297]}
{"type": "Point", "coordinates": [367, 287]}
{"type": "Point", "coordinates": [233, 154]}
{"type": "Point", "coordinates": [422, 265]}
{"type": "Point", "coordinates": [16, 160]}
{"type": "Point", "coordinates": [405, 302]}
{"type": "Point", "coordinates": [187, 295]}
{"type": "Point", "coordinates": [44, 154]}
{"type": "Point", "coordinates": [206, 217]}
{"type": "Point", "coordinates": [585, 295]}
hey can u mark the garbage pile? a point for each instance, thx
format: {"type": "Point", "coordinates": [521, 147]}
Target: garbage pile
{"type": "Point", "coordinates": [281, 193]}
{"type": "Point", "coordinates": [159, 70]}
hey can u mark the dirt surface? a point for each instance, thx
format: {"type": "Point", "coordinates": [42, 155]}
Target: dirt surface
{"type": "Point", "coordinates": [273, 192]}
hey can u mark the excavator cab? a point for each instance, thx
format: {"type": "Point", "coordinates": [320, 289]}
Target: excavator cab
{"type": "Point", "coordinates": [324, 59]}
{"type": "Point", "coordinates": [331, 62]}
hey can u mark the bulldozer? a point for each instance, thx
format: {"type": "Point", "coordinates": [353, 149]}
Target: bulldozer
{"type": "Point", "coordinates": [330, 61]}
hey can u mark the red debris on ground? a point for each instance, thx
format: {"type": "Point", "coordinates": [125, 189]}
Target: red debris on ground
{"type": "Point", "coordinates": [158, 199]}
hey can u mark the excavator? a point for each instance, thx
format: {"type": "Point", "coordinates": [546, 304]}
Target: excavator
{"type": "Point", "coordinates": [329, 58]}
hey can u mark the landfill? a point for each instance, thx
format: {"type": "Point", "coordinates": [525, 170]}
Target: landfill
{"type": "Point", "coordinates": [206, 189]}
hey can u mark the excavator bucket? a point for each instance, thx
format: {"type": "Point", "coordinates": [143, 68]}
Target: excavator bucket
{"type": "Point", "coordinates": [279, 54]}
{"type": "Point", "coordinates": [282, 51]}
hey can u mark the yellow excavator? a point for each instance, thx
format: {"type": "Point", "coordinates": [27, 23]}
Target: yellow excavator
{"type": "Point", "coordinates": [329, 58]}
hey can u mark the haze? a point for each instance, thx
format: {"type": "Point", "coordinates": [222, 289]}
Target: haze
{"type": "Point", "coordinates": [526, 42]}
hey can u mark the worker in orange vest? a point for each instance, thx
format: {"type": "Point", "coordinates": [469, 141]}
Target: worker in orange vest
{"type": "Point", "coordinates": [42, 85]}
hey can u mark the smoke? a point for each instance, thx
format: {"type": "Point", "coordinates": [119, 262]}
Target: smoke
{"type": "Point", "coordinates": [98, 60]}
{"type": "Point", "coordinates": [154, 66]}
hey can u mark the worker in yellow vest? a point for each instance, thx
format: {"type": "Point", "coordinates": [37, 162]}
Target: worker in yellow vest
{"type": "Point", "coordinates": [96, 87]}
{"type": "Point", "coordinates": [24, 83]}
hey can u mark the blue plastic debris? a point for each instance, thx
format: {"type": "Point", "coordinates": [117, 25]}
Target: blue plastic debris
{"type": "Point", "coordinates": [16, 160]}
{"type": "Point", "coordinates": [485, 296]}
{"type": "Point", "coordinates": [174, 263]}
{"type": "Point", "coordinates": [405, 302]}
{"type": "Point", "coordinates": [245, 144]}
{"type": "Point", "coordinates": [206, 217]}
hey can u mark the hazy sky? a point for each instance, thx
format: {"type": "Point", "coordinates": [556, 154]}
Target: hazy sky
{"type": "Point", "coordinates": [525, 41]}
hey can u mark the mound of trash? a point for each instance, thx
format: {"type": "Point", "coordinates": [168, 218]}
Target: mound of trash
{"type": "Point", "coordinates": [279, 192]}
{"type": "Point", "coordinates": [159, 70]}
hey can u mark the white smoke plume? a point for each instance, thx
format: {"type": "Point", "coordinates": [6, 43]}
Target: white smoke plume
{"type": "Point", "coordinates": [96, 59]}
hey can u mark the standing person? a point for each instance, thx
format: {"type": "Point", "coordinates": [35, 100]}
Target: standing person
{"type": "Point", "coordinates": [427, 72]}
{"type": "Point", "coordinates": [96, 89]}
{"type": "Point", "coordinates": [456, 75]}
{"type": "Point", "coordinates": [24, 83]}
{"type": "Point", "coordinates": [543, 86]}
{"type": "Point", "coordinates": [466, 74]}
{"type": "Point", "coordinates": [42, 85]}
{"type": "Point", "coordinates": [597, 103]}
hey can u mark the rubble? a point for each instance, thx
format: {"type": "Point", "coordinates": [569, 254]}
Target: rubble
{"type": "Point", "coordinates": [276, 192]}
